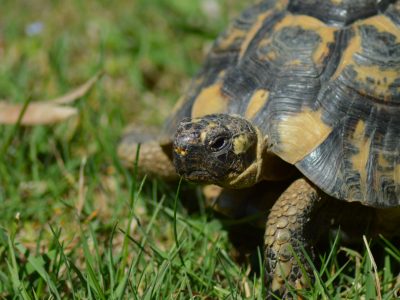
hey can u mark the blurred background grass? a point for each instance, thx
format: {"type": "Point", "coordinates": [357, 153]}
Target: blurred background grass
{"type": "Point", "coordinates": [76, 224]}
{"type": "Point", "coordinates": [148, 50]}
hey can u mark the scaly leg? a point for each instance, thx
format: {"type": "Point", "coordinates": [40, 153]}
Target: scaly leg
{"type": "Point", "coordinates": [155, 155]}
{"type": "Point", "coordinates": [288, 230]}
{"type": "Point", "coordinates": [243, 214]}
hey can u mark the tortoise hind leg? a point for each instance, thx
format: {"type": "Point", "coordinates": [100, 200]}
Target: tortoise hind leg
{"type": "Point", "coordinates": [289, 228]}
{"type": "Point", "coordinates": [155, 155]}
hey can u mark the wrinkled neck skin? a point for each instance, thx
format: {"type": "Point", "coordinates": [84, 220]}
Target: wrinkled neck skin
{"type": "Point", "coordinates": [254, 173]}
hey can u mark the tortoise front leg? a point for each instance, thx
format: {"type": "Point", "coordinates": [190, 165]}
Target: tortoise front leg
{"type": "Point", "coordinates": [155, 157]}
{"type": "Point", "coordinates": [289, 228]}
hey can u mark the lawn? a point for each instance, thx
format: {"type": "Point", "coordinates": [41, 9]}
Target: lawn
{"type": "Point", "coordinates": [77, 224]}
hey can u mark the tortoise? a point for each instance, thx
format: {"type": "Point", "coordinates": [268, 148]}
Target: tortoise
{"type": "Point", "coordinates": [293, 85]}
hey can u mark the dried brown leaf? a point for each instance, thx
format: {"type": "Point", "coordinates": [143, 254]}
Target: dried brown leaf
{"type": "Point", "coordinates": [47, 111]}
{"type": "Point", "coordinates": [35, 114]}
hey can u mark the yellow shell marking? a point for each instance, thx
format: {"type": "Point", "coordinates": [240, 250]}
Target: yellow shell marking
{"type": "Point", "coordinates": [359, 132]}
{"type": "Point", "coordinates": [382, 24]}
{"type": "Point", "coordinates": [229, 38]}
{"type": "Point", "coordinates": [382, 77]}
{"type": "Point", "coordinates": [257, 101]}
{"type": "Point", "coordinates": [382, 161]}
{"type": "Point", "coordinates": [300, 134]}
{"type": "Point", "coordinates": [209, 101]}
{"type": "Point", "coordinates": [271, 55]}
{"type": "Point", "coordinates": [178, 104]}
{"type": "Point", "coordinates": [354, 46]}
{"type": "Point", "coordinates": [326, 33]}
{"type": "Point", "coordinates": [253, 31]}
{"type": "Point", "coordinates": [360, 160]}
{"type": "Point", "coordinates": [241, 144]}
{"type": "Point", "coordinates": [280, 5]}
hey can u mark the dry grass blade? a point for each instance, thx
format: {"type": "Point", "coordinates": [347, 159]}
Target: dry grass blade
{"type": "Point", "coordinates": [45, 112]}
{"type": "Point", "coordinates": [377, 281]}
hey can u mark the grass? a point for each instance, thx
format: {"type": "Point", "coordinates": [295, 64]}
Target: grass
{"type": "Point", "coordinates": [75, 223]}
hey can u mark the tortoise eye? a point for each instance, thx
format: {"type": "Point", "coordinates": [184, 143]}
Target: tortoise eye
{"type": "Point", "coordinates": [218, 144]}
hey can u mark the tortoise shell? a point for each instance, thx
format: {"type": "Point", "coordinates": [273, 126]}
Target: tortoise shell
{"type": "Point", "coordinates": [321, 80]}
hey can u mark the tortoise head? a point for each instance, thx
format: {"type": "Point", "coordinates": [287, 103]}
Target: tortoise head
{"type": "Point", "coordinates": [220, 149]}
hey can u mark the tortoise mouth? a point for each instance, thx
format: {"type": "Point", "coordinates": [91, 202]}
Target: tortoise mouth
{"type": "Point", "coordinates": [199, 176]}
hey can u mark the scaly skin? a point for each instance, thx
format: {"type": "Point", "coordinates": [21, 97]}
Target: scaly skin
{"type": "Point", "coordinates": [298, 219]}
{"type": "Point", "coordinates": [154, 159]}
{"type": "Point", "coordinates": [286, 232]}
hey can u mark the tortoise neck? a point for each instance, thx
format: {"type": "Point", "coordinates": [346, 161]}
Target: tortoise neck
{"type": "Point", "coordinates": [274, 168]}
{"type": "Point", "coordinates": [254, 173]}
